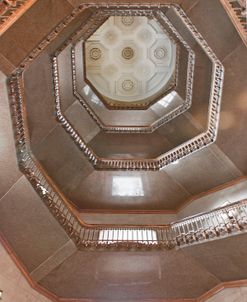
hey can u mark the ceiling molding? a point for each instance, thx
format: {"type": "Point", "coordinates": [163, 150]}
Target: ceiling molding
{"type": "Point", "coordinates": [12, 11]}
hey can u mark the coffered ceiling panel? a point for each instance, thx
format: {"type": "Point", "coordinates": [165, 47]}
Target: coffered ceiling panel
{"type": "Point", "coordinates": [129, 59]}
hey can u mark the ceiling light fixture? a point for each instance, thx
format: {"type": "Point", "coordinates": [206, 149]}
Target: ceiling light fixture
{"type": "Point", "coordinates": [1, 294]}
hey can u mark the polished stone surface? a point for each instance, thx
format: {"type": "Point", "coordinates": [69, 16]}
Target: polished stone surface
{"type": "Point", "coordinates": [140, 275]}
{"type": "Point", "coordinates": [36, 236]}
{"type": "Point", "coordinates": [225, 258]}
{"type": "Point", "coordinates": [29, 29]}
{"type": "Point", "coordinates": [13, 284]}
{"type": "Point", "coordinates": [73, 174]}
{"type": "Point", "coordinates": [219, 32]}
{"type": "Point", "coordinates": [27, 224]}
{"type": "Point", "coordinates": [237, 294]}
{"type": "Point", "coordinates": [232, 132]}
{"type": "Point", "coordinates": [39, 99]}
{"type": "Point", "coordinates": [8, 163]}
{"type": "Point", "coordinates": [201, 171]}
{"type": "Point", "coordinates": [157, 191]}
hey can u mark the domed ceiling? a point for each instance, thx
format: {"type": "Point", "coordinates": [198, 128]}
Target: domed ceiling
{"type": "Point", "coordinates": [125, 165]}
{"type": "Point", "coordinates": [130, 60]}
{"type": "Point", "coordinates": [125, 54]}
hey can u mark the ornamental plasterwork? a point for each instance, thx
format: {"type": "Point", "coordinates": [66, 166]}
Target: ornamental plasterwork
{"type": "Point", "coordinates": [230, 219]}
{"type": "Point", "coordinates": [198, 142]}
{"type": "Point", "coordinates": [129, 61]}
{"type": "Point", "coordinates": [166, 114]}
{"type": "Point", "coordinates": [11, 10]}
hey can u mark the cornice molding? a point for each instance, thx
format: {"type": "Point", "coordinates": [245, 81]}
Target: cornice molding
{"type": "Point", "coordinates": [200, 141]}
{"type": "Point", "coordinates": [237, 11]}
{"type": "Point", "coordinates": [193, 230]}
{"type": "Point", "coordinates": [11, 10]}
{"type": "Point", "coordinates": [164, 119]}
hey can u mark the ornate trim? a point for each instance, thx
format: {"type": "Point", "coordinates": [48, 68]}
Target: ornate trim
{"type": "Point", "coordinates": [219, 223]}
{"type": "Point", "coordinates": [161, 121]}
{"type": "Point", "coordinates": [237, 11]}
{"type": "Point", "coordinates": [215, 224]}
{"type": "Point", "coordinates": [139, 105]}
{"type": "Point", "coordinates": [11, 10]}
{"type": "Point", "coordinates": [183, 150]}
{"type": "Point", "coordinates": [200, 141]}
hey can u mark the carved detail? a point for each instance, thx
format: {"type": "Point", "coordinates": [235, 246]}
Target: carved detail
{"type": "Point", "coordinates": [237, 11]}
{"type": "Point", "coordinates": [160, 53]}
{"type": "Point", "coordinates": [128, 85]}
{"type": "Point", "coordinates": [162, 120]}
{"type": "Point", "coordinates": [229, 220]}
{"type": "Point", "coordinates": [127, 20]}
{"type": "Point", "coordinates": [10, 9]}
{"type": "Point", "coordinates": [128, 53]}
{"type": "Point", "coordinates": [95, 53]}
{"type": "Point", "coordinates": [185, 149]}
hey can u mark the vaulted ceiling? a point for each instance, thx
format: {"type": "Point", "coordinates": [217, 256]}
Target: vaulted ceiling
{"type": "Point", "coordinates": [102, 156]}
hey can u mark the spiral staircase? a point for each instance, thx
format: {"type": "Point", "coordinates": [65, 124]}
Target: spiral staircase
{"type": "Point", "coordinates": [123, 158]}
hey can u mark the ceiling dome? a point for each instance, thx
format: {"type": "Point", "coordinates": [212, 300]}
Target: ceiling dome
{"type": "Point", "coordinates": [130, 59]}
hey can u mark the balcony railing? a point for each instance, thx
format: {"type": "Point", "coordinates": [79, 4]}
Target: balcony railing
{"type": "Point", "coordinates": [207, 226]}
{"type": "Point", "coordinates": [200, 141]}
{"type": "Point", "coordinates": [222, 222]}
{"type": "Point", "coordinates": [237, 11]}
{"type": "Point", "coordinates": [225, 221]}
{"type": "Point", "coordinates": [11, 10]}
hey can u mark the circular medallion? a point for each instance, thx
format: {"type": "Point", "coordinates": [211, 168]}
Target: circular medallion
{"type": "Point", "coordinates": [127, 20]}
{"type": "Point", "coordinates": [128, 53]}
{"type": "Point", "coordinates": [127, 85]}
{"type": "Point", "coordinates": [160, 53]}
{"type": "Point", "coordinates": [95, 53]}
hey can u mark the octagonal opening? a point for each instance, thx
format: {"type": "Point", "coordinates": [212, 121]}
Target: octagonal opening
{"type": "Point", "coordinates": [130, 62]}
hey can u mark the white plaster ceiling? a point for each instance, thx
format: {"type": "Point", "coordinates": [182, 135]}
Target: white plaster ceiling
{"type": "Point", "coordinates": [129, 58]}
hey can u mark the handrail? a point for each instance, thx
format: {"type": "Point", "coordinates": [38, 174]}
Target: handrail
{"type": "Point", "coordinates": [237, 11]}
{"type": "Point", "coordinates": [198, 142]}
{"type": "Point", "coordinates": [215, 224]}
{"type": "Point", "coordinates": [11, 10]}
{"type": "Point", "coordinates": [227, 220]}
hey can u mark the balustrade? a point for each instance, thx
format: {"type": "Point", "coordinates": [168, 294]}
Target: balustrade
{"type": "Point", "coordinates": [10, 10]}
{"type": "Point", "coordinates": [228, 220]}
{"type": "Point", "coordinates": [237, 11]}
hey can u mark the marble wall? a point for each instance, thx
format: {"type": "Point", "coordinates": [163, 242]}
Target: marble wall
{"type": "Point", "coordinates": [14, 286]}
{"type": "Point", "coordinates": [237, 294]}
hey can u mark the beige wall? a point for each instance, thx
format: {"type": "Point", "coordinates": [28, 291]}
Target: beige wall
{"type": "Point", "coordinates": [216, 199]}
{"type": "Point", "coordinates": [16, 288]}
{"type": "Point", "coordinates": [13, 284]}
{"type": "Point", "coordinates": [238, 294]}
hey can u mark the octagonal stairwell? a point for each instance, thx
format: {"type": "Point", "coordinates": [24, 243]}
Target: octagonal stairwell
{"type": "Point", "coordinates": [73, 174]}
{"type": "Point", "coordinates": [40, 242]}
